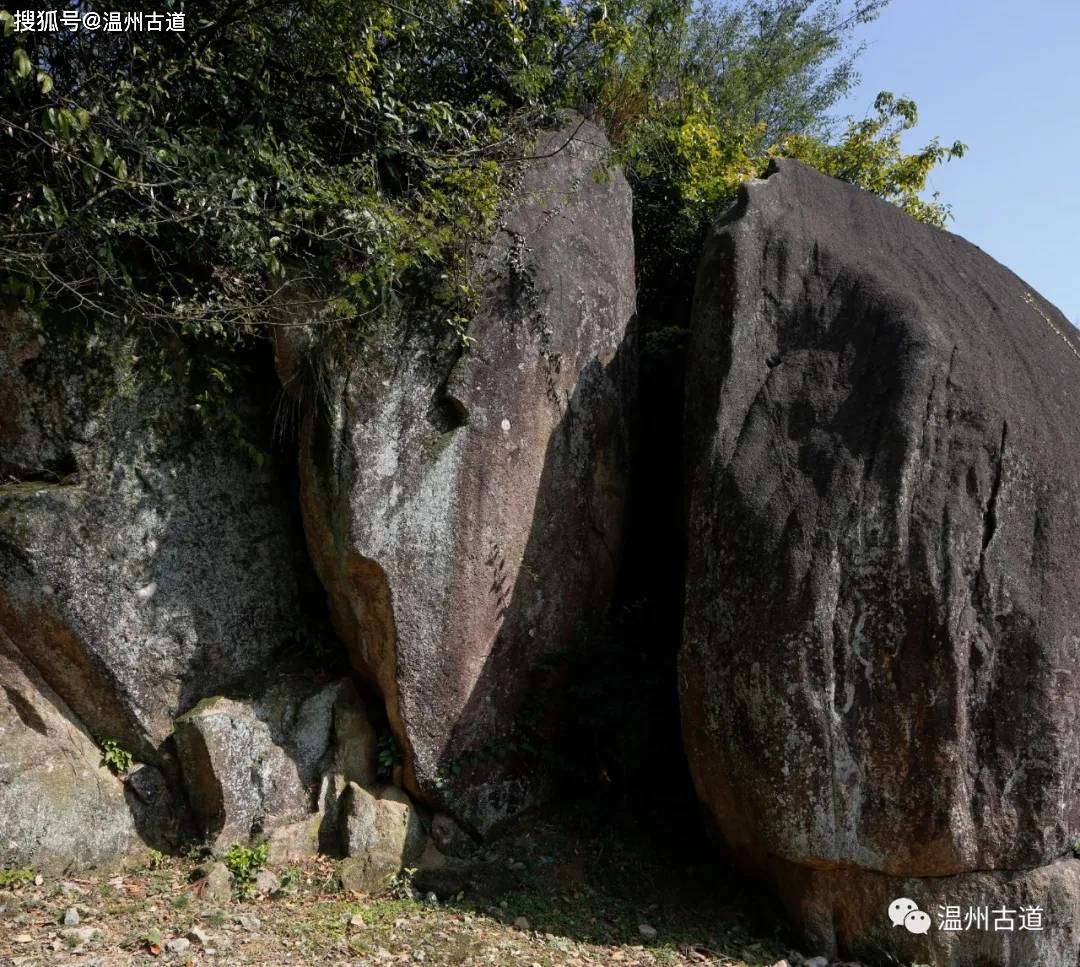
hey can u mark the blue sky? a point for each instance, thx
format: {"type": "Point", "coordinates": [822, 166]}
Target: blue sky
{"type": "Point", "coordinates": [1003, 77]}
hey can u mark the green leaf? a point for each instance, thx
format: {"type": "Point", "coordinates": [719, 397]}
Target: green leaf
{"type": "Point", "coordinates": [45, 81]}
{"type": "Point", "coordinates": [22, 62]}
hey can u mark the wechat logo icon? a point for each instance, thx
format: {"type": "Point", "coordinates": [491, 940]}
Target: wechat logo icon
{"type": "Point", "coordinates": [906, 913]}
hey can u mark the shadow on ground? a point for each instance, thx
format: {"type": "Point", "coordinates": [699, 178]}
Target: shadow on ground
{"type": "Point", "coordinates": [597, 873]}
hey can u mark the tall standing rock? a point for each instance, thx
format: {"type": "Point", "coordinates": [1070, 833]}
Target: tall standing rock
{"type": "Point", "coordinates": [464, 509]}
{"type": "Point", "coordinates": [880, 674]}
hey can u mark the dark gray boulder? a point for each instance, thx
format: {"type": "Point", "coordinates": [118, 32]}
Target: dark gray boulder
{"type": "Point", "coordinates": [147, 561]}
{"type": "Point", "coordinates": [464, 508]}
{"type": "Point", "coordinates": [878, 678]}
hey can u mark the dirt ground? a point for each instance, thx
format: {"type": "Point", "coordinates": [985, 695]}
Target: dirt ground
{"type": "Point", "coordinates": [580, 889]}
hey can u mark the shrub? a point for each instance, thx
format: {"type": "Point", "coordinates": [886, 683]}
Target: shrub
{"type": "Point", "coordinates": [244, 862]}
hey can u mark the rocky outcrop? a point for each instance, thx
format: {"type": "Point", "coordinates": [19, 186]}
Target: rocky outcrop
{"type": "Point", "coordinates": [877, 677]}
{"type": "Point", "coordinates": [463, 507]}
{"type": "Point", "coordinates": [148, 561]}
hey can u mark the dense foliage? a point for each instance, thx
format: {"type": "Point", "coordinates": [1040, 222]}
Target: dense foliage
{"type": "Point", "coordinates": [276, 163]}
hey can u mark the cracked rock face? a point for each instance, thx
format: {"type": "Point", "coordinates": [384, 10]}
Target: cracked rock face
{"type": "Point", "coordinates": [878, 677]}
{"type": "Point", "coordinates": [464, 509]}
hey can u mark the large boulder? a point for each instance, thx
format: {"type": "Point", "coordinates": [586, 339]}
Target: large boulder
{"type": "Point", "coordinates": [464, 507]}
{"type": "Point", "coordinates": [59, 806]}
{"type": "Point", "coordinates": [148, 559]}
{"type": "Point", "coordinates": [254, 764]}
{"type": "Point", "coordinates": [878, 678]}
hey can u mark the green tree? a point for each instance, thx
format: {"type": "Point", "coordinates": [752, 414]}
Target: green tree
{"type": "Point", "coordinates": [347, 159]}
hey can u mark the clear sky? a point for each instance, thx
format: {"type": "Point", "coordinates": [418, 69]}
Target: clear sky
{"type": "Point", "coordinates": [1004, 77]}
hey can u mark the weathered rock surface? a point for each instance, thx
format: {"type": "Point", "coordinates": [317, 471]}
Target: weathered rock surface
{"type": "Point", "coordinates": [386, 823]}
{"type": "Point", "coordinates": [464, 509]}
{"type": "Point", "coordinates": [251, 765]}
{"type": "Point", "coordinates": [59, 807]}
{"type": "Point", "coordinates": [294, 841]}
{"type": "Point", "coordinates": [147, 562]}
{"type": "Point", "coordinates": [878, 671]}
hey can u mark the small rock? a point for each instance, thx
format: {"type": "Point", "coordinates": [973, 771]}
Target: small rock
{"type": "Point", "coordinates": [522, 924]}
{"type": "Point", "coordinates": [249, 923]}
{"type": "Point", "coordinates": [199, 936]}
{"type": "Point", "coordinates": [356, 921]}
{"type": "Point", "coordinates": [71, 917]}
{"type": "Point", "coordinates": [216, 881]}
{"type": "Point", "coordinates": [39, 880]}
{"type": "Point", "coordinates": [816, 962]}
{"type": "Point", "coordinates": [22, 938]}
{"type": "Point", "coordinates": [782, 963]}
{"type": "Point", "coordinates": [266, 882]}
{"type": "Point", "coordinates": [178, 946]}
{"type": "Point", "coordinates": [431, 899]}
{"type": "Point", "coordinates": [649, 933]}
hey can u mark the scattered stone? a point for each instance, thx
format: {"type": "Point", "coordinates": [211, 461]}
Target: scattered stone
{"type": "Point", "coordinates": [355, 921]}
{"type": "Point", "coordinates": [71, 917]}
{"type": "Point", "coordinates": [522, 923]}
{"type": "Point", "coordinates": [266, 882]}
{"type": "Point", "coordinates": [816, 962]}
{"type": "Point", "coordinates": [646, 931]}
{"type": "Point", "coordinates": [356, 744]}
{"type": "Point", "coordinates": [387, 824]}
{"type": "Point", "coordinates": [178, 946]}
{"type": "Point", "coordinates": [781, 963]}
{"type": "Point", "coordinates": [199, 936]}
{"type": "Point", "coordinates": [22, 938]}
{"type": "Point", "coordinates": [216, 883]}
{"type": "Point", "coordinates": [39, 880]}
{"type": "Point", "coordinates": [445, 876]}
{"type": "Point", "coordinates": [249, 923]}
